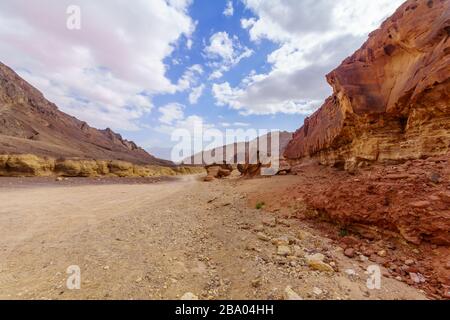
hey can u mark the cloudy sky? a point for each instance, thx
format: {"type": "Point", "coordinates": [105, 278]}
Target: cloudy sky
{"type": "Point", "coordinates": [147, 67]}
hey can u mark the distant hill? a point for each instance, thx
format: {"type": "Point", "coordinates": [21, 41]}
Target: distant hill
{"type": "Point", "coordinates": [284, 139]}
{"type": "Point", "coordinates": [30, 124]}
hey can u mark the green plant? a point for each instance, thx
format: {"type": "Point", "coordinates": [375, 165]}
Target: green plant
{"type": "Point", "coordinates": [343, 232]}
{"type": "Point", "coordinates": [260, 205]}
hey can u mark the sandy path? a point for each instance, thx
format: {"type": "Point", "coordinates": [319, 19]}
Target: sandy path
{"type": "Point", "coordinates": [161, 241]}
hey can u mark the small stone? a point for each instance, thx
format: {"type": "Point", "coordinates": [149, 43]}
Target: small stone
{"type": "Point", "coordinates": [435, 177]}
{"type": "Point", "coordinates": [363, 258]}
{"type": "Point", "coordinates": [281, 241]}
{"type": "Point", "coordinates": [106, 268]}
{"type": "Point", "coordinates": [409, 262]}
{"type": "Point", "coordinates": [382, 253]}
{"type": "Point", "coordinates": [398, 278]}
{"type": "Point", "coordinates": [189, 296]}
{"type": "Point", "coordinates": [284, 222]}
{"type": "Point", "coordinates": [259, 228]}
{"type": "Point", "coordinates": [302, 235]}
{"type": "Point", "coordinates": [315, 262]}
{"type": "Point", "coordinates": [317, 291]}
{"type": "Point", "coordinates": [283, 251]}
{"type": "Point", "coordinates": [417, 278]}
{"type": "Point", "coordinates": [298, 252]}
{"type": "Point", "coordinates": [256, 283]}
{"type": "Point", "coordinates": [351, 273]}
{"type": "Point", "coordinates": [290, 294]}
{"type": "Point", "coordinates": [270, 222]}
{"type": "Point", "coordinates": [349, 252]}
{"type": "Point", "coordinates": [138, 280]}
{"type": "Point", "coordinates": [263, 237]}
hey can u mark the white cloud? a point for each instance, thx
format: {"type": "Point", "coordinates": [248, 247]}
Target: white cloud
{"type": "Point", "coordinates": [196, 93]}
{"type": "Point", "coordinates": [229, 9]}
{"type": "Point", "coordinates": [190, 77]}
{"type": "Point", "coordinates": [107, 72]}
{"type": "Point", "coordinates": [171, 112]}
{"type": "Point", "coordinates": [247, 23]}
{"type": "Point", "coordinates": [220, 45]}
{"type": "Point", "coordinates": [224, 52]}
{"type": "Point", "coordinates": [234, 124]}
{"type": "Point", "coordinates": [314, 36]}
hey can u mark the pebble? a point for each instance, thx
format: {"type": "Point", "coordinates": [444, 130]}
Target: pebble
{"type": "Point", "coordinates": [290, 294]}
{"type": "Point", "coordinates": [189, 296]}
{"type": "Point", "coordinates": [417, 277]}
{"type": "Point", "coordinates": [317, 291]}
{"type": "Point", "coordinates": [349, 252]}
{"type": "Point", "coordinates": [382, 253]}
{"type": "Point", "coordinates": [256, 283]}
{"type": "Point", "coordinates": [281, 241]}
{"type": "Point", "coordinates": [283, 250]}
{"type": "Point", "coordinates": [409, 262]}
{"type": "Point", "coordinates": [263, 237]}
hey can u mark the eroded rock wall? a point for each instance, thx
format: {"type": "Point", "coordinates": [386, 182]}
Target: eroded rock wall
{"type": "Point", "coordinates": [391, 99]}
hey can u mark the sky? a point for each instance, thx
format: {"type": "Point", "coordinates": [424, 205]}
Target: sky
{"type": "Point", "coordinates": [145, 68]}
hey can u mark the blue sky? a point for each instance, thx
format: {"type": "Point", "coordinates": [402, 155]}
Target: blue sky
{"type": "Point", "coordinates": [145, 68]}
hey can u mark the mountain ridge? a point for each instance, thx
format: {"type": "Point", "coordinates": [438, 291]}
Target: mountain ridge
{"type": "Point", "coordinates": [30, 124]}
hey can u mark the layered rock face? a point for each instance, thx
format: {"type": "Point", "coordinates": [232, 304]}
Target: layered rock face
{"type": "Point", "coordinates": [30, 124]}
{"type": "Point", "coordinates": [391, 99]}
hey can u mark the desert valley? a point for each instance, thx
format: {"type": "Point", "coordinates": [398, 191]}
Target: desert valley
{"type": "Point", "coordinates": [364, 183]}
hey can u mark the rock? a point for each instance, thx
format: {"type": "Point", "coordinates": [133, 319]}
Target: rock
{"type": "Point", "coordinates": [281, 241]}
{"type": "Point", "coordinates": [256, 283]}
{"type": "Point", "coordinates": [290, 294]}
{"type": "Point", "coordinates": [417, 277]}
{"type": "Point", "coordinates": [363, 258]}
{"type": "Point", "coordinates": [259, 228]}
{"type": "Point", "coordinates": [284, 222]}
{"type": "Point", "coordinates": [382, 253]}
{"type": "Point", "coordinates": [435, 177]}
{"type": "Point", "coordinates": [298, 252]}
{"type": "Point", "coordinates": [351, 273]}
{"type": "Point", "coordinates": [59, 179]}
{"type": "Point", "coordinates": [270, 222]}
{"type": "Point", "coordinates": [317, 291]}
{"type": "Point", "coordinates": [263, 237]}
{"type": "Point", "coordinates": [283, 251]}
{"type": "Point", "coordinates": [316, 262]}
{"type": "Point", "coordinates": [302, 235]}
{"type": "Point", "coordinates": [189, 296]}
{"type": "Point", "coordinates": [382, 111]}
{"type": "Point", "coordinates": [374, 85]}
{"type": "Point", "coordinates": [409, 262]}
{"type": "Point", "coordinates": [349, 252]}
{"type": "Point", "coordinates": [216, 171]}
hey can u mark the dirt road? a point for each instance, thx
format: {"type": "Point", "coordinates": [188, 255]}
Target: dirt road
{"type": "Point", "coordinates": [160, 241]}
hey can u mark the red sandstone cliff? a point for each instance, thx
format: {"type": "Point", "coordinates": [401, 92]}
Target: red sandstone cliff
{"type": "Point", "coordinates": [391, 99]}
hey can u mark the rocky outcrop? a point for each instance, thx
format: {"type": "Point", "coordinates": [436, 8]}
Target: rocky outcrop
{"type": "Point", "coordinates": [32, 166]}
{"type": "Point", "coordinates": [218, 171]}
{"type": "Point", "coordinates": [30, 124]}
{"type": "Point", "coordinates": [391, 99]}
